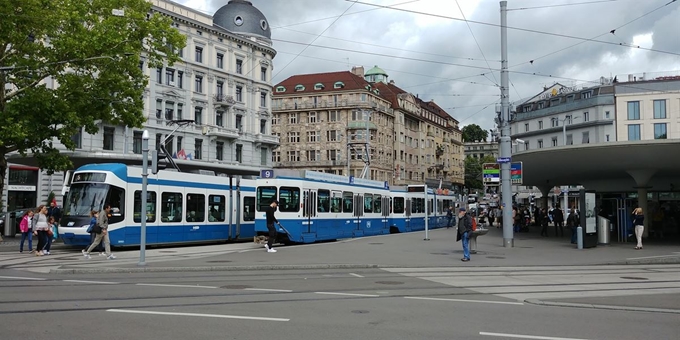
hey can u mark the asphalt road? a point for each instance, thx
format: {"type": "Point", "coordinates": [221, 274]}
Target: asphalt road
{"type": "Point", "coordinates": [300, 305]}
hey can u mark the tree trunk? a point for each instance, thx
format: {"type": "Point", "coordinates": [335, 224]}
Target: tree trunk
{"type": "Point", "coordinates": [3, 173]}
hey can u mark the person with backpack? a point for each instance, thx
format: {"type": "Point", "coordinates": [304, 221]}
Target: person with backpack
{"type": "Point", "coordinates": [101, 228]}
{"type": "Point", "coordinates": [94, 215]}
{"type": "Point", "coordinates": [464, 232]}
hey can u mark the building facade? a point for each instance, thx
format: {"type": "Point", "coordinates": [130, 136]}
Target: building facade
{"type": "Point", "coordinates": [324, 119]}
{"type": "Point", "coordinates": [222, 84]}
{"type": "Point", "coordinates": [648, 109]}
{"type": "Point", "coordinates": [480, 150]}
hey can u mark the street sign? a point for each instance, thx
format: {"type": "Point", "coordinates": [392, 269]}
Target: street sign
{"type": "Point", "coordinates": [491, 173]}
{"type": "Point", "coordinates": [516, 173]}
{"type": "Point", "coordinates": [503, 160]}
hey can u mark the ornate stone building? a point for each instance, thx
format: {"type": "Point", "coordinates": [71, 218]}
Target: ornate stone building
{"type": "Point", "coordinates": [321, 120]}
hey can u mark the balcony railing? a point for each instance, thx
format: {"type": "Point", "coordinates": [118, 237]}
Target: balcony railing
{"type": "Point", "coordinates": [231, 133]}
{"type": "Point", "coordinates": [223, 99]}
{"type": "Point", "coordinates": [267, 139]}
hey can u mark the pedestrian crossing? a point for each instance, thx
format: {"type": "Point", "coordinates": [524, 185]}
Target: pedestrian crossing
{"type": "Point", "coordinates": [525, 283]}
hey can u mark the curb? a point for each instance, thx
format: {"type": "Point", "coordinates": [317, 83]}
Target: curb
{"type": "Point", "coordinates": [211, 269]}
{"type": "Point", "coordinates": [603, 307]}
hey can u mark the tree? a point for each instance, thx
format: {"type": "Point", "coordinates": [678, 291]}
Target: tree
{"type": "Point", "coordinates": [474, 171]}
{"type": "Point", "coordinates": [93, 53]}
{"type": "Point", "coordinates": [473, 133]}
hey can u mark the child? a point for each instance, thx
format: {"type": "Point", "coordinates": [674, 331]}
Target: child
{"type": "Point", "coordinates": [94, 215]}
{"type": "Point", "coordinates": [50, 235]}
{"type": "Point", "coordinates": [26, 231]}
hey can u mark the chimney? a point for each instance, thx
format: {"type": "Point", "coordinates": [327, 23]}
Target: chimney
{"type": "Point", "coordinates": [392, 82]}
{"type": "Point", "coordinates": [358, 70]}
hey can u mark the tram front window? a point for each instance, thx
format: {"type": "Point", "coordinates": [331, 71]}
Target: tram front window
{"type": "Point", "coordinates": [84, 197]}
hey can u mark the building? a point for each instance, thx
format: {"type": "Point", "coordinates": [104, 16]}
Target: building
{"type": "Point", "coordinates": [480, 150]}
{"type": "Point", "coordinates": [323, 120]}
{"type": "Point", "coordinates": [585, 114]}
{"type": "Point", "coordinates": [648, 109]}
{"type": "Point", "coordinates": [222, 84]}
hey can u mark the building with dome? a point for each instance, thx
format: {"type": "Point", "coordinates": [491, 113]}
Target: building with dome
{"type": "Point", "coordinates": [324, 119]}
{"type": "Point", "coordinates": [222, 83]}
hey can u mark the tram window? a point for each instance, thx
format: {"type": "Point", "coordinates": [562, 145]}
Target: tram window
{"type": "Point", "coordinates": [195, 208]}
{"type": "Point", "coordinates": [377, 203]}
{"type": "Point", "coordinates": [348, 203]}
{"type": "Point", "coordinates": [430, 207]}
{"type": "Point", "coordinates": [418, 205]}
{"type": "Point", "coordinates": [398, 205]}
{"type": "Point", "coordinates": [265, 196]}
{"type": "Point", "coordinates": [368, 203]}
{"type": "Point", "coordinates": [171, 207]}
{"type": "Point", "coordinates": [323, 200]}
{"type": "Point", "coordinates": [289, 199]}
{"type": "Point", "coordinates": [447, 204]}
{"type": "Point", "coordinates": [150, 207]}
{"type": "Point", "coordinates": [249, 208]}
{"type": "Point", "coordinates": [336, 202]}
{"type": "Point", "coordinates": [116, 197]}
{"type": "Point", "coordinates": [217, 208]}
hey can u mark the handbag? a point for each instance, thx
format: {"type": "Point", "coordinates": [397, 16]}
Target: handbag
{"type": "Point", "coordinates": [97, 229]}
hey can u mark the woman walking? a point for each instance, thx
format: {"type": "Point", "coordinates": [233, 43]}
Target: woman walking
{"type": "Point", "coordinates": [26, 231]}
{"type": "Point", "coordinates": [40, 229]}
{"type": "Point", "coordinates": [94, 215]}
{"type": "Point", "coordinates": [639, 223]}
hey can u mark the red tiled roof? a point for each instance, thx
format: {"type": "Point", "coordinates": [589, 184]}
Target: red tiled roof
{"type": "Point", "coordinates": [351, 81]}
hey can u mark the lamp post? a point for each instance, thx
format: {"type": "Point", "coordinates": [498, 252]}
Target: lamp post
{"type": "Point", "coordinates": [565, 189]}
{"type": "Point", "coordinates": [145, 179]}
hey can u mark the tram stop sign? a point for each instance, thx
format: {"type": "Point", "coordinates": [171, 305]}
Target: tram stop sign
{"type": "Point", "coordinates": [516, 173]}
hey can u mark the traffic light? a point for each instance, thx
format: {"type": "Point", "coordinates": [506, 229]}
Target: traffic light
{"type": "Point", "coordinates": [156, 157]}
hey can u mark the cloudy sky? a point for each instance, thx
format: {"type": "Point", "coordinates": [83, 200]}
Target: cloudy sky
{"type": "Point", "coordinates": [449, 60]}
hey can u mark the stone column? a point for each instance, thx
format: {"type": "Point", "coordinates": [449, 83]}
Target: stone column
{"type": "Point", "coordinates": [642, 178]}
{"type": "Point", "coordinates": [545, 191]}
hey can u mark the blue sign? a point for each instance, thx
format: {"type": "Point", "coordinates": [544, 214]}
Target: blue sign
{"type": "Point", "coordinates": [351, 179]}
{"type": "Point", "coordinates": [267, 173]}
{"type": "Point", "coordinates": [503, 160]}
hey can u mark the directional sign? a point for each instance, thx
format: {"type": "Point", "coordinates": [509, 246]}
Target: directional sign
{"type": "Point", "coordinates": [516, 173]}
{"type": "Point", "coordinates": [503, 160]}
{"type": "Point", "coordinates": [491, 172]}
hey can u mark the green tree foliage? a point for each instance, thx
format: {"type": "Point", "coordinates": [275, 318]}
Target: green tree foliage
{"type": "Point", "coordinates": [92, 53]}
{"type": "Point", "coordinates": [474, 132]}
{"type": "Point", "coordinates": [473, 171]}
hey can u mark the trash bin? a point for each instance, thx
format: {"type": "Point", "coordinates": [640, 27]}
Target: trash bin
{"type": "Point", "coordinates": [9, 224]}
{"type": "Point", "coordinates": [603, 230]}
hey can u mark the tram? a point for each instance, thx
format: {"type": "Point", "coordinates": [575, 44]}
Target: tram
{"type": "Point", "coordinates": [182, 208]}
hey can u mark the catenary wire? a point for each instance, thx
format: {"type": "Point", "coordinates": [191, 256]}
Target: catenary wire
{"type": "Point", "coordinates": [561, 5]}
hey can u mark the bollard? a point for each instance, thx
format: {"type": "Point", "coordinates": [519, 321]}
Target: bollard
{"type": "Point", "coordinates": [579, 237]}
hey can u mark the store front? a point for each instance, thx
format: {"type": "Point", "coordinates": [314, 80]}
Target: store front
{"type": "Point", "coordinates": [22, 187]}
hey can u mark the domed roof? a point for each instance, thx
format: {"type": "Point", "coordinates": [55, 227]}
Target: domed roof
{"type": "Point", "coordinates": [376, 71]}
{"type": "Point", "coordinates": [240, 16]}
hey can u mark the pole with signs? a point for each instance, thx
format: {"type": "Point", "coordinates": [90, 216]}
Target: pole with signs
{"type": "Point", "coordinates": [427, 224]}
{"type": "Point", "coordinates": [145, 182]}
{"type": "Point", "coordinates": [505, 144]}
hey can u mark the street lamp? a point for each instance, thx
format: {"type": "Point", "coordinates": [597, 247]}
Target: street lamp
{"type": "Point", "coordinates": [564, 127]}
{"type": "Point", "coordinates": [145, 179]}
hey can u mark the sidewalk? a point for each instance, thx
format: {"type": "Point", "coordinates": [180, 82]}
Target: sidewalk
{"type": "Point", "coordinates": [399, 250]}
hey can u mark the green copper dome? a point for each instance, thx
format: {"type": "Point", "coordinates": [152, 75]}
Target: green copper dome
{"type": "Point", "coordinates": [376, 71]}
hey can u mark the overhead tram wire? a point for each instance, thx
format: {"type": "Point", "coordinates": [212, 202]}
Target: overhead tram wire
{"type": "Point", "coordinates": [593, 38]}
{"type": "Point", "coordinates": [312, 42]}
{"type": "Point", "coordinates": [476, 42]}
{"type": "Point", "coordinates": [519, 28]}
{"type": "Point", "coordinates": [477, 112]}
{"type": "Point", "coordinates": [561, 5]}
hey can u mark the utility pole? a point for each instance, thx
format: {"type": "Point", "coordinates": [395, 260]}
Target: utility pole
{"type": "Point", "coordinates": [506, 143]}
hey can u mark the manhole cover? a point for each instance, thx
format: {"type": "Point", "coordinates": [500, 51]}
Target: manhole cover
{"type": "Point", "coordinates": [218, 261]}
{"type": "Point", "coordinates": [375, 243]}
{"type": "Point", "coordinates": [389, 282]}
{"type": "Point", "coordinates": [496, 257]}
{"type": "Point", "coordinates": [236, 287]}
{"type": "Point", "coordinates": [634, 278]}
{"type": "Point", "coordinates": [360, 311]}
{"type": "Point", "coordinates": [167, 251]}
{"type": "Point", "coordinates": [439, 253]}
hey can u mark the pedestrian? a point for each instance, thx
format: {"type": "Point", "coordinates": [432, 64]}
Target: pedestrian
{"type": "Point", "coordinates": [271, 219]}
{"type": "Point", "coordinates": [101, 228]}
{"type": "Point", "coordinates": [94, 215]}
{"type": "Point", "coordinates": [54, 211]}
{"type": "Point", "coordinates": [464, 231]}
{"type": "Point", "coordinates": [639, 223]}
{"type": "Point", "coordinates": [51, 225]}
{"type": "Point", "coordinates": [573, 221]}
{"type": "Point", "coordinates": [558, 219]}
{"type": "Point", "coordinates": [26, 229]}
{"type": "Point", "coordinates": [544, 218]}
{"type": "Point", "coordinates": [449, 217]}
{"type": "Point", "coordinates": [40, 227]}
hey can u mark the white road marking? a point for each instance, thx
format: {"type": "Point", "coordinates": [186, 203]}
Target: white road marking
{"type": "Point", "coordinates": [240, 317]}
{"type": "Point", "coordinates": [461, 300]}
{"type": "Point", "coordinates": [520, 336]}
{"type": "Point", "coordinates": [95, 282]}
{"type": "Point", "coordinates": [356, 275]}
{"type": "Point", "coordinates": [22, 278]}
{"type": "Point", "coordinates": [347, 294]}
{"type": "Point", "coordinates": [176, 286]}
{"type": "Point", "coordinates": [269, 290]}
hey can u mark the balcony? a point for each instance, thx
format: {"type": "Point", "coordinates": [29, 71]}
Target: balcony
{"type": "Point", "coordinates": [267, 139]}
{"type": "Point", "coordinates": [224, 100]}
{"type": "Point", "coordinates": [229, 133]}
{"type": "Point", "coordinates": [439, 151]}
{"type": "Point", "coordinates": [430, 134]}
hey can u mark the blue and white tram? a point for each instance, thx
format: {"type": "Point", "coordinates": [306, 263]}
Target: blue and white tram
{"type": "Point", "coordinates": [318, 206]}
{"type": "Point", "coordinates": [409, 208]}
{"type": "Point", "coordinates": [181, 207]}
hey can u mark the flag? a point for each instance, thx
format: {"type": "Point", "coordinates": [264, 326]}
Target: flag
{"type": "Point", "coordinates": [181, 154]}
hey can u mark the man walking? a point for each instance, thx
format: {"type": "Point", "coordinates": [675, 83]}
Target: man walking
{"type": "Point", "coordinates": [102, 227]}
{"type": "Point", "coordinates": [464, 230]}
{"type": "Point", "coordinates": [271, 219]}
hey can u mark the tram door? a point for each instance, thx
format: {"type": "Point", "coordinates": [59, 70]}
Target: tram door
{"type": "Point", "coordinates": [407, 212]}
{"type": "Point", "coordinates": [386, 210]}
{"type": "Point", "coordinates": [309, 208]}
{"type": "Point", "coordinates": [358, 210]}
